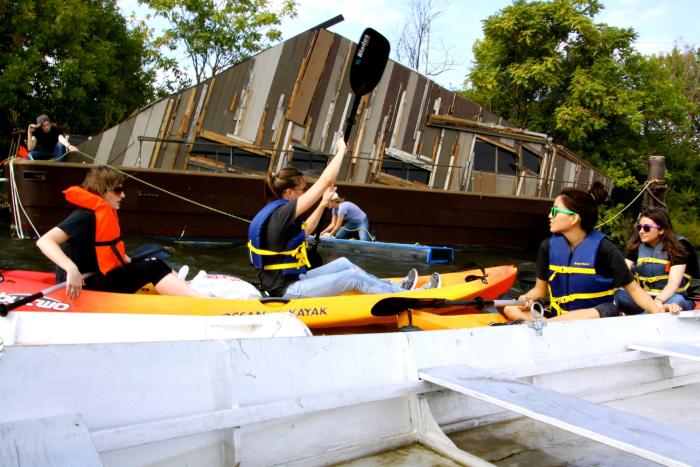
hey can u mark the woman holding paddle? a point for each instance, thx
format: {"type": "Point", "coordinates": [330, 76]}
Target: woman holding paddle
{"type": "Point", "coordinates": [660, 261]}
{"type": "Point", "coordinates": [277, 243]}
{"type": "Point", "coordinates": [88, 240]}
{"type": "Point", "coordinates": [579, 267]}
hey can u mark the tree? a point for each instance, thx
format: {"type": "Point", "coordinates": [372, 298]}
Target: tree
{"type": "Point", "coordinates": [548, 66]}
{"type": "Point", "coordinates": [216, 34]}
{"type": "Point", "coordinates": [413, 46]}
{"type": "Point", "coordinates": [71, 59]}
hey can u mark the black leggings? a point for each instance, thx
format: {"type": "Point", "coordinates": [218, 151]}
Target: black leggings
{"type": "Point", "coordinates": [130, 278]}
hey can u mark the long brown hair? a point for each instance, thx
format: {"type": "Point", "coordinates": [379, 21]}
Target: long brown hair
{"type": "Point", "coordinates": [585, 203]}
{"type": "Point", "coordinates": [99, 180]}
{"type": "Point", "coordinates": [276, 183]}
{"type": "Point", "coordinates": [671, 245]}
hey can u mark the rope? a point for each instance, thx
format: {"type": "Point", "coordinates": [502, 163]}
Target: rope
{"type": "Point", "coordinates": [17, 205]}
{"type": "Point", "coordinates": [641, 192]}
{"type": "Point", "coordinates": [374, 239]}
{"type": "Point", "coordinates": [167, 192]}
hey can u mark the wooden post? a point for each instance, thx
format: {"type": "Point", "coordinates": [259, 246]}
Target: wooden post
{"type": "Point", "coordinates": [656, 193]}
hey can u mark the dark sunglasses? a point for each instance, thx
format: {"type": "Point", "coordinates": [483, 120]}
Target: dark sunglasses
{"type": "Point", "coordinates": [118, 190]}
{"type": "Point", "coordinates": [647, 227]}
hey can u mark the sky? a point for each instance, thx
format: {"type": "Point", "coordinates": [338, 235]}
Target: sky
{"type": "Point", "coordinates": [659, 24]}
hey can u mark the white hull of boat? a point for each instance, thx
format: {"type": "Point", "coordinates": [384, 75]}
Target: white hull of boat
{"type": "Point", "coordinates": [326, 399]}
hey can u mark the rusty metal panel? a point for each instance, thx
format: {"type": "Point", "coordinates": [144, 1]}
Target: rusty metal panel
{"type": "Point", "coordinates": [106, 142]}
{"type": "Point", "coordinates": [183, 113]}
{"type": "Point", "coordinates": [301, 101]}
{"type": "Point", "coordinates": [407, 78]}
{"type": "Point", "coordinates": [505, 184]}
{"type": "Point", "coordinates": [414, 114]}
{"type": "Point", "coordinates": [327, 87]}
{"type": "Point", "coordinates": [90, 146]}
{"type": "Point", "coordinates": [253, 105]}
{"type": "Point", "coordinates": [144, 149]}
{"type": "Point", "coordinates": [281, 89]}
{"type": "Point", "coordinates": [122, 142]}
{"type": "Point", "coordinates": [462, 156]}
{"type": "Point", "coordinates": [219, 117]}
{"type": "Point", "coordinates": [443, 169]}
{"type": "Point", "coordinates": [464, 108]}
{"type": "Point", "coordinates": [369, 145]}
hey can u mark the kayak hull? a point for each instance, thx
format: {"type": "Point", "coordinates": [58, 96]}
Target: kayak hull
{"type": "Point", "coordinates": [316, 312]}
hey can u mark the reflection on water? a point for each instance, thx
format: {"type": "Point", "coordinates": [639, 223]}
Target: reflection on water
{"type": "Point", "coordinates": [23, 254]}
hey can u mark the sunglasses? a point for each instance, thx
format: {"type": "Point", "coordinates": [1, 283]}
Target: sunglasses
{"type": "Point", "coordinates": [118, 190]}
{"type": "Point", "coordinates": [555, 210]}
{"type": "Point", "coordinates": [647, 227]}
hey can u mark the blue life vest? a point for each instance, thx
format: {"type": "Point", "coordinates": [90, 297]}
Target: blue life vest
{"type": "Point", "coordinates": [653, 266]}
{"type": "Point", "coordinates": [573, 281]}
{"type": "Point", "coordinates": [293, 261]}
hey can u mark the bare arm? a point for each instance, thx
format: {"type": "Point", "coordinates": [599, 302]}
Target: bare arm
{"type": "Point", "coordinates": [338, 224]}
{"type": "Point", "coordinates": [537, 292]}
{"type": "Point", "coordinates": [642, 298]}
{"type": "Point", "coordinates": [64, 141]}
{"type": "Point", "coordinates": [313, 220]}
{"type": "Point", "coordinates": [324, 182]}
{"type": "Point", "coordinates": [31, 140]}
{"type": "Point", "coordinates": [675, 276]}
{"type": "Point", "coordinates": [629, 263]}
{"type": "Point", "coordinates": [50, 245]}
{"type": "Point", "coordinates": [331, 225]}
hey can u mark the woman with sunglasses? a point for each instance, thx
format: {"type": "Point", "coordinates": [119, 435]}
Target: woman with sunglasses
{"type": "Point", "coordinates": [88, 240]}
{"type": "Point", "coordinates": [659, 260]}
{"type": "Point", "coordinates": [579, 267]}
{"type": "Point", "coordinates": [277, 246]}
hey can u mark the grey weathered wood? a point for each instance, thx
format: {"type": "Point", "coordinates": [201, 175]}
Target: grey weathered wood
{"type": "Point", "coordinates": [645, 438]}
{"type": "Point", "coordinates": [62, 441]}
{"type": "Point", "coordinates": [672, 349]}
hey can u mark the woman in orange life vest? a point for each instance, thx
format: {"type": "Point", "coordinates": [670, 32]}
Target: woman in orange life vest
{"type": "Point", "coordinates": [88, 240]}
{"type": "Point", "coordinates": [578, 267]}
{"type": "Point", "coordinates": [277, 241]}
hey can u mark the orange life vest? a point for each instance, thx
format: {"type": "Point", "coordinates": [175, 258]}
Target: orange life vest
{"type": "Point", "coordinates": [108, 244]}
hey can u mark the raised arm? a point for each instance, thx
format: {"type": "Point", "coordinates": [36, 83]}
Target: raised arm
{"type": "Point", "coordinates": [31, 140]}
{"type": "Point", "coordinates": [324, 182]}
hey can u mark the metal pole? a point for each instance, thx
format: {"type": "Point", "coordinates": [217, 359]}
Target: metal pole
{"type": "Point", "coordinates": [656, 192]}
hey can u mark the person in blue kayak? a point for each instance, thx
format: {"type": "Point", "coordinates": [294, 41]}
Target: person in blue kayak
{"type": "Point", "coordinates": [277, 240]}
{"type": "Point", "coordinates": [662, 262]}
{"type": "Point", "coordinates": [89, 240]}
{"type": "Point", "coordinates": [348, 220]}
{"type": "Point", "coordinates": [578, 267]}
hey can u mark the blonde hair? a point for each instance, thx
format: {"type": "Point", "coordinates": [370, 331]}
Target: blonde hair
{"type": "Point", "coordinates": [99, 180]}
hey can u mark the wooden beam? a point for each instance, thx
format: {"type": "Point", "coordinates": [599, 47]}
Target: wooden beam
{"type": "Point", "coordinates": [651, 440]}
{"type": "Point", "coordinates": [236, 143]}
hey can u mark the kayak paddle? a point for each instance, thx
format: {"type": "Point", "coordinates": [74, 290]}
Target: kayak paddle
{"type": "Point", "coordinates": [146, 253]}
{"type": "Point", "coordinates": [394, 305]}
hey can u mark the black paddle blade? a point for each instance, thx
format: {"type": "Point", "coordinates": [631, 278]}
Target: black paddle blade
{"type": "Point", "coordinates": [368, 62]}
{"type": "Point", "coordinates": [394, 305]}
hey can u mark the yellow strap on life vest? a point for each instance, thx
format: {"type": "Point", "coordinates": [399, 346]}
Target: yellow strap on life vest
{"type": "Point", "coordinates": [649, 259]}
{"type": "Point", "coordinates": [298, 253]}
{"type": "Point", "coordinates": [645, 280]}
{"type": "Point", "coordinates": [571, 269]}
{"type": "Point", "coordinates": [556, 301]}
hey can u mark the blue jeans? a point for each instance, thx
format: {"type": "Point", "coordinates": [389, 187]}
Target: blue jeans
{"type": "Point", "coordinates": [59, 151]}
{"type": "Point", "coordinates": [627, 306]}
{"type": "Point", "coordinates": [350, 228]}
{"type": "Point", "coordinates": [336, 277]}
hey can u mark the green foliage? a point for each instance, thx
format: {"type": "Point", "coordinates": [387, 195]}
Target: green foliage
{"type": "Point", "coordinates": [549, 67]}
{"type": "Point", "coordinates": [216, 34]}
{"type": "Point", "coordinates": [74, 60]}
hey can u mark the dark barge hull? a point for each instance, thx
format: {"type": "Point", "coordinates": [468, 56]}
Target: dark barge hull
{"type": "Point", "coordinates": [396, 214]}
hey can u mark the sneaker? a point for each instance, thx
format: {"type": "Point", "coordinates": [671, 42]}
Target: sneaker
{"type": "Point", "coordinates": [517, 321]}
{"type": "Point", "coordinates": [434, 282]}
{"type": "Point", "coordinates": [409, 282]}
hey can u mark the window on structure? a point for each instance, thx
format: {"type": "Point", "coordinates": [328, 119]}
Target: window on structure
{"type": "Point", "coordinates": [232, 157]}
{"type": "Point", "coordinates": [491, 158]}
{"type": "Point", "coordinates": [309, 162]}
{"type": "Point", "coordinates": [405, 170]}
{"type": "Point", "coordinates": [531, 160]}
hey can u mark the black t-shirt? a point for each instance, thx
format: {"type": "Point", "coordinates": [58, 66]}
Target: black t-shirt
{"type": "Point", "coordinates": [277, 232]}
{"type": "Point", "coordinates": [46, 142]}
{"type": "Point", "coordinates": [80, 247]}
{"type": "Point", "coordinates": [609, 262]}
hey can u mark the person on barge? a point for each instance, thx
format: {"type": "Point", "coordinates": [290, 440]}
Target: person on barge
{"type": "Point", "coordinates": [347, 219]}
{"type": "Point", "coordinates": [277, 247]}
{"type": "Point", "coordinates": [578, 267]}
{"type": "Point", "coordinates": [89, 240]}
{"type": "Point", "coordinates": [46, 141]}
{"type": "Point", "coordinates": [661, 262]}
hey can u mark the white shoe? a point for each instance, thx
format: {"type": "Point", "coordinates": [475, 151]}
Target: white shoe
{"type": "Point", "coordinates": [409, 282]}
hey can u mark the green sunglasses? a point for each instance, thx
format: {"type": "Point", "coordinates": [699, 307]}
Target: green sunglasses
{"type": "Point", "coordinates": [555, 210]}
